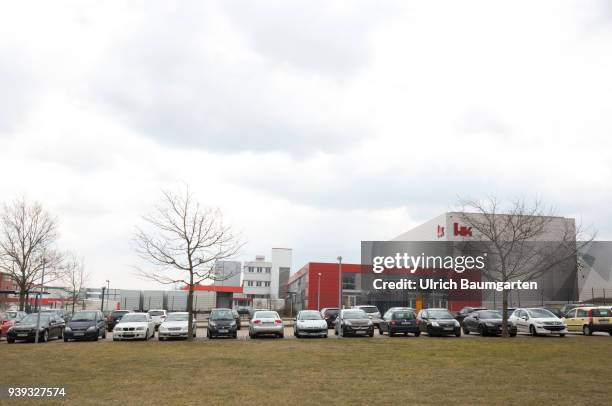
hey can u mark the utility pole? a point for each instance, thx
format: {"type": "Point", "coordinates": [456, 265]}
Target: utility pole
{"type": "Point", "coordinates": [319, 291]}
{"type": "Point", "coordinates": [339, 294]}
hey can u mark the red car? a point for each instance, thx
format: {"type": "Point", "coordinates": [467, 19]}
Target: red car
{"type": "Point", "coordinates": [8, 320]}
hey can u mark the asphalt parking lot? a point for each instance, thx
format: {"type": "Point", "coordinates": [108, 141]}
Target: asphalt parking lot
{"type": "Point", "coordinates": [243, 334]}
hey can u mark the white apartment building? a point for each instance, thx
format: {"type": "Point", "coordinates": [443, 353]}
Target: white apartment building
{"type": "Point", "coordinates": [267, 279]}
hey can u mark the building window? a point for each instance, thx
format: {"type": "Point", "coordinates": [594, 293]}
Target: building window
{"type": "Point", "coordinates": [249, 283]}
{"type": "Point", "coordinates": [258, 283]}
{"type": "Point", "coordinates": [268, 269]}
{"type": "Point", "coordinates": [267, 284]}
{"type": "Point", "coordinates": [259, 269]}
{"type": "Point", "coordinates": [348, 281]}
{"type": "Point", "coordinates": [251, 269]}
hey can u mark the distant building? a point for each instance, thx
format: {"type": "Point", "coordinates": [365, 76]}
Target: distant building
{"type": "Point", "coordinates": [263, 279]}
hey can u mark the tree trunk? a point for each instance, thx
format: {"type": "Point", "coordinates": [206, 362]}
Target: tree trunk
{"type": "Point", "coordinates": [190, 310]}
{"type": "Point", "coordinates": [22, 299]}
{"type": "Point", "coordinates": [505, 313]}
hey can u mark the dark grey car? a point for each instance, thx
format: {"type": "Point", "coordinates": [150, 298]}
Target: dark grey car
{"type": "Point", "coordinates": [86, 325]}
{"type": "Point", "coordinates": [354, 322]}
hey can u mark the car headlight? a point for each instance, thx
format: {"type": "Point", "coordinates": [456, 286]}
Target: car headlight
{"type": "Point", "coordinates": [212, 323]}
{"type": "Point", "coordinates": [233, 323]}
{"type": "Point", "coordinates": [140, 328]}
{"type": "Point", "coordinates": [489, 324]}
{"type": "Point", "coordinates": [117, 328]}
{"type": "Point", "coordinates": [92, 328]}
{"type": "Point", "coordinates": [67, 329]}
{"type": "Point", "coordinates": [435, 324]}
{"type": "Point", "coordinates": [457, 323]}
{"type": "Point", "coordinates": [347, 322]}
{"type": "Point", "coordinates": [11, 328]}
{"type": "Point", "coordinates": [370, 323]}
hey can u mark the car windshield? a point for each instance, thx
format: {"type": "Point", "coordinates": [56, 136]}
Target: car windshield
{"type": "Point", "coordinates": [266, 315]}
{"type": "Point", "coordinates": [354, 314]}
{"type": "Point", "coordinates": [403, 315]}
{"type": "Point", "coordinates": [332, 312]}
{"type": "Point", "coordinates": [539, 313]}
{"type": "Point", "coordinates": [309, 316]}
{"type": "Point", "coordinates": [439, 314]}
{"type": "Point", "coordinates": [9, 316]}
{"type": "Point", "coordinates": [84, 316]}
{"type": "Point", "coordinates": [31, 318]}
{"type": "Point", "coordinates": [222, 315]}
{"type": "Point", "coordinates": [178, 317]}
{"type": "Point", "coordinates": [369, 309]}
{"type": "Point", "coordinates": [156, 313]}
{"type": "Point", "coordinates": [130, 318]}
{"type": "Point", "coordinates": [119, 314]}
{"type": "Point", "coordinates": [490, 314]}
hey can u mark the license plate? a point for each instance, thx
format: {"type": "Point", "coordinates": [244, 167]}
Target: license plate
{"type": "Point", "coordinates": [79, 334]}
{"type": "Point", "coordinates": [603, 321]}
{"type": "Point", "coordinates": [128, 335]}
{"type": "Point", "coordinates": [175, 334]}
{"type": "Point", "coordinates": [22, 335]}
{"type": "Point", "coordinates": [448, 328]}
{"type": "Point", "coordinates": [360, 332]}
{"type": "Point", "coordinates": [222, 331]}
{"type": "Point", "coordinates": [405, 323]}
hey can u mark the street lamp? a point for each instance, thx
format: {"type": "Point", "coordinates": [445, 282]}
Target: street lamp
{"type": "Point", "coordinates": [102, 304]}
{"type": "Point", "coordinates": [107, 293]}
{"type": "Point", "coordinates": [42, 282]}
{"type": "Point", "coordinates": [319, 291]}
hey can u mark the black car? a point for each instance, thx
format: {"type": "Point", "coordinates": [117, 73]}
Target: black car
{"type": "Point", "coordinates": [465, 311]}
{"type": "Point", "coordinates": [86, 325]}
{"type": "Point", "coordinates": [353, 322]}
{"type": "Point", "coordinates": [61, 313]}
{"type": "Point", "coordinates": [330, 314]}
{"type": "Point", "coordinates": [114, 317]}
{"type": "Point", "coordinates": [399, 322]}
{"type": "Point", "coordinates": [222, 323]}
{"type": "Point", "coordinates": [486, 322]}
{"type": "Point", "coordinates": [437, 322]}
{"type": "Point", "coordinates": [244, 310]}
{"type": "Point", "coordinates": [51, 326]}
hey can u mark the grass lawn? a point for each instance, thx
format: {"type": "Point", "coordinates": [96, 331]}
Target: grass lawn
{"type": "Point", "coordinates": [401, 370]}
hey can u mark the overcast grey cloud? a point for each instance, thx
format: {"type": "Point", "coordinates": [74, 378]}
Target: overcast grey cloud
{"type": "Point", "coordinates": [312, 125]}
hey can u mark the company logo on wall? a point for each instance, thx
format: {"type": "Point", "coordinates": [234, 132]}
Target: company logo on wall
{"type": "Point", "coordinates": [440, 232]}
{"type": "Point", "coordinates": [463, 231]}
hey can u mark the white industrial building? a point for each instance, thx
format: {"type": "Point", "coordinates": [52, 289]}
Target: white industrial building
{"type": "Point", "coordinates": [262, 279]}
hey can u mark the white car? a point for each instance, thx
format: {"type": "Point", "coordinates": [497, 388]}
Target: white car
{"type": "Point", "coordinates": [134, 326]}
{"type": "Point", "coordinates": [536, 321]}
{"type": "Point", "coordinates": [158, 316]}
{"type": "Point", "coordinates": [309, 323]}
{"type": "Point", "coordinates": [176, 325]}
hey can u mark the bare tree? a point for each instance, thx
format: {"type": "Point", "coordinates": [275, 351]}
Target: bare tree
{"type": "Point", "coordinates": [184, 242]}
{"type": "Point", "coordinates": [524, 241]}
{"type": "Point", "coordinates": [75, 278]}
{"type": "Point", "coordinates": [28, 236]}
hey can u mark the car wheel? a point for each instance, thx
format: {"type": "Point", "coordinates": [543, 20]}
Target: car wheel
{"type": "Point", "coordinates": [235, 335]}
{"type": "Point", "coordinates": [281, 336]}
{"type": "Point", "coordinates": [482, 331]}
{"type": "Point", "coordinates": [466, 331]}
{"type": "Point", "coordinates": [562, 335]}
{"type": "Point", "coordinates": [65, 340]}
{"type": "Point", "coordinates": [371, 333]}
{"type": "Point", "coordinates": [335, 331]}
{"type": "Point", "coordinates": [533, 331]}
{"type": "Point", "coordinates": [380, 331]}
{"type": "Point", "coordinates": [45, 336]}
{"type": "Point", "coordinates": [160, 338]}
{"type": "Point", "coordinates": [147, 336]}
{"type": "Point", "coordinates": [512, 334]}
{"type": "Point", "coordinates": [61, 335]}
{"type": "Point", "coordinates": [429, 333]}
{"type": "Point", "coordinates": [586, 330]}
{"type": "Point", "coordinates": [325, 336]}
{"type": "Point", "coordinates": [417, 334]}
{"type": "Point", "coordinates": [10, 340]}
{"type": "Point", "coordinates": [104, 334]}
{"type": "Point", "coordinates": [610, 332]}
{"type": "Point", "coordinates": [405, 334]}
{"type": "Point", "coordinates": [96, 337]}
{"type": "Point", "coordinates": [458, 333]}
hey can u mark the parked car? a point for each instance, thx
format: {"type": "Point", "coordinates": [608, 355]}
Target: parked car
{"type": "Point", "coordinates": [8, 320]}
{"type": "Point", "coordinates": [61, 313]}
{"type": "Point", "coordinates": [176, 325]}
{"type": "Point", "coordinates": [353, 322]}
{"type": "Point", "coordinates": [557, 312]}
{"type": "Point", "coordinates": [253, 312]}
{"type": "Point", "coordinates": [309, 323]}
{"type": "Point", "coordinates": [392, 309]}
{"type": "Point", "coordinates": [266, 322]}
{"type": "Point", "coordinates": [244, 310]}
{"type": "Point", "coordinates": [438, 322]}
{"type": "Point", "coordinates": [569, 306]}
{"type": "Point", "coordinates": [115, 317]}
{"type": "Point", "coordinates": [86, 325]}
{"type": "Point", "coordinates": [222, 322]}
{"type": "Point", "coordinates": [465, 311]}
{"type": "Point", "coordinates": [536, 321]}
{"type": "Point", "coordinates": [399, 322]}
{"type": "Point", "coordinates": [486, 322]}
{"type": "Point", "coordinates": [134, 326]}
{"type": "Point", "coordinates": [589, 320]}
{"type": "Point", "coordinates": [236, 318]}
{"type": "Point", "coordinates": [51, 326]}
{"type": "Point", "coordinates": [158, 316]}
{"type": "Point", "coordinates": [330, 314]}
{"type": "Point", "coordinates": [372, 312]}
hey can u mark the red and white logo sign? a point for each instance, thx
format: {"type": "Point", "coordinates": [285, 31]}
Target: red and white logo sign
{"type": "Point", "coordinates": [463, 231]}
{"type": "Point", "coordinates": [440, 232]}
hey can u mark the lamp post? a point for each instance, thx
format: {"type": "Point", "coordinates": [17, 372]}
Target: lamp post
{"type": "Point", "coordinates": [42, 282]}
{"type": "Point", "coordinates": [319, 291]}
{"type": "Point", "coordinates": [339, 296]}
{"type": "Point", "coordinates": [102, 304]}
{"type": "Point", "coordinates": [107, 293]}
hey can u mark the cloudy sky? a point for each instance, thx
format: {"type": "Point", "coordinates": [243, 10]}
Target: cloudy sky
{"type": "Point", "coordinates": [312, 125]}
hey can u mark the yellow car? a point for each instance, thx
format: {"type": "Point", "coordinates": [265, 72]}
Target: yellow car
{"type": "Point", "coordinates": [589, 319]}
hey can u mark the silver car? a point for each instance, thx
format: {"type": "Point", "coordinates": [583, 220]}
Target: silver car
{"type": "Point", "coordinates": [176, 325]}
{"type": "Point", "coordinates": [266, 322]}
